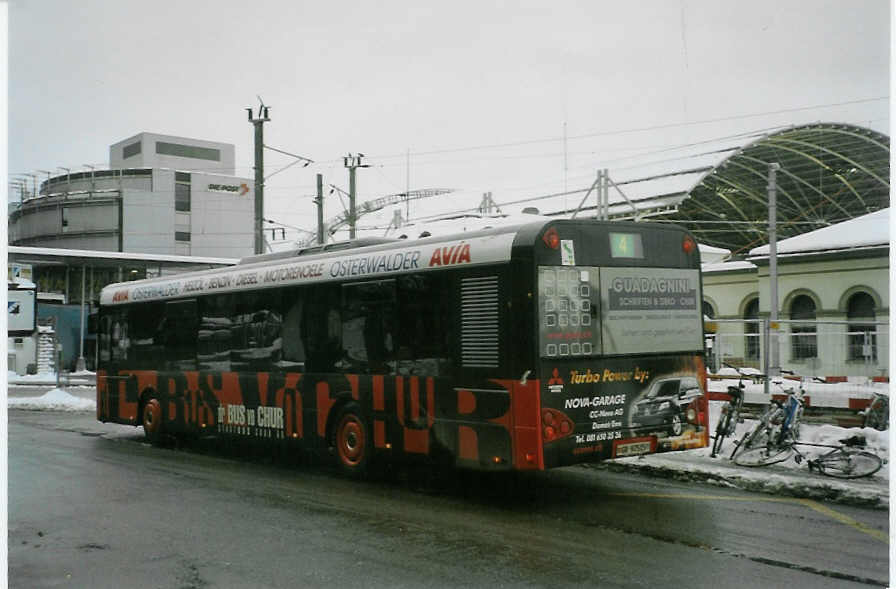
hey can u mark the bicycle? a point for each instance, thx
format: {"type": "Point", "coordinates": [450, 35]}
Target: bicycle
{"type": "Point", "coordinates": [730, 415]}
{"type": "Point", "coordinates": [778, 425]}
{"type": "Point", "coordinates": [849, 460]}
{"type": "Point", "coordinates": [877, 414]}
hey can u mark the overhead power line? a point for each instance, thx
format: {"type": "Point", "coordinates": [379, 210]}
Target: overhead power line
{"type": "Point", "coordinates": [632, 130]}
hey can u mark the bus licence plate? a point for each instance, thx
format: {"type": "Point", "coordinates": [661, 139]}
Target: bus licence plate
{"type": "Point", "coordinates": [632, 449]}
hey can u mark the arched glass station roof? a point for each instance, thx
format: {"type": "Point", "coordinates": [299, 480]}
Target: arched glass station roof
{"type": "Point", "coordinates": [828, 173]}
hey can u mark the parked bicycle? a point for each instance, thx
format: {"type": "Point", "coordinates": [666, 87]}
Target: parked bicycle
{"type": "Point", "coordinates": [849, 460]}
{"type": "Point", "coordinates": [877, 414]}
{"type": "Point", "coordinates": [730, 415]}
{"type": "Point", "coordinates": [779, 424]}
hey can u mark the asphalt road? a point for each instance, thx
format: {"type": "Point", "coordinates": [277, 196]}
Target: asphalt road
{"type": "Point", "coordinates": [91, 505]}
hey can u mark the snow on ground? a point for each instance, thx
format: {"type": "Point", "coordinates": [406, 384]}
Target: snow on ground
{"type": "Point", "coordinates": [13, 379]}
{"type": "Point", "coordinates": [786, 478]}
{"type": "Point", "coordinates": [53, 400]}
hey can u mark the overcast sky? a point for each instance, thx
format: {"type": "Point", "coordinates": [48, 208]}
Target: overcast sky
{"type": "Point", "coordinates": [478, 91]}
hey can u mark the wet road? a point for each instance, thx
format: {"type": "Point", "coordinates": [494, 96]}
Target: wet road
{"type": "Point", "coordinates": [91, 505]}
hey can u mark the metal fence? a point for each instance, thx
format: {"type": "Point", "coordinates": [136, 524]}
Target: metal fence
{"type": "Point", "coordinates": [809, 348]}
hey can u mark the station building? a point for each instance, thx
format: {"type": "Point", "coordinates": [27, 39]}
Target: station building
{"type": "Point", "coordinates": [160, 195]}
{"type": "Point", "coordinates": [166, 204]}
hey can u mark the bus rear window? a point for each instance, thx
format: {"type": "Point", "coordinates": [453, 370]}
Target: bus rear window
{"type": "Point", "coordinates": [568, 311]}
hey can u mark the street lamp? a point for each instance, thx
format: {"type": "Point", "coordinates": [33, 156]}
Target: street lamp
{"type": "Point", "coordinates": [48, 173]}
{"type": "Point", "coordinates": [20, 186]}
{"type": "Point", "coordinates": [68, 178]}
{"type": "Point", "coordinates": [92, 179]}
{"type": "Point", "coordinates": [34, 182]}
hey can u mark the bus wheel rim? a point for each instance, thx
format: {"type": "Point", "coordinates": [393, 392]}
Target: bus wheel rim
{"type": "Point", "coordinates": [350, 441]}
{"type": "Point", "coordinates": [152, 416]}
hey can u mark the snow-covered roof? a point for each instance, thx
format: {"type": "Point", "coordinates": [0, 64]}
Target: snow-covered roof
{"type": "Point", "coordinates": [869, 230]}
{"type": "Point", "coordinates": [22, 283]}
{"type": "Point", "coordinates": [712, 255]}
{"type": "Point", "coordinates": [727, 266]}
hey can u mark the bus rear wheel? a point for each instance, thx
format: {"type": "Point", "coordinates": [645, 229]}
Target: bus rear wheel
{"type": "Point", "coordinates": [152, 420]}
{"type": "Point", "coordinates": [351, 442]}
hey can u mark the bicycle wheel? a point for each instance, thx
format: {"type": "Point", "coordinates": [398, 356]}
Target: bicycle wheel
{"type": "Point", "coordinates": [763, 456]}
{"type": "Point", "coordinates": [877, 415]}
{"type": "Point", "coordinates": [849, 463]}
{"type": "Point", "coordinates": [721, 431]}
{"type": "Point", "coordinates": [758, 436]}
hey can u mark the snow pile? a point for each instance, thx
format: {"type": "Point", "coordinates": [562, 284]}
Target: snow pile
{"type": "Point", "coordinates": [787, 478]}
{"type": "Point", "coordinates": [14, 378]}
{"type": "Point", "coordinates": [56, 400]}
{"type": "Point", "coordinates": [821, 394]}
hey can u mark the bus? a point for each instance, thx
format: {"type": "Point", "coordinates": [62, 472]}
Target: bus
{"type": "Point", "coordinates": [525, 347]}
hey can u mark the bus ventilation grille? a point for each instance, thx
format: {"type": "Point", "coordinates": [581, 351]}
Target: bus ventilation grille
{"type": "Point", "coordinates": [479, 322]}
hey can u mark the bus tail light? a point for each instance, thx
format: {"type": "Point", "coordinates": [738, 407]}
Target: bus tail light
{"type": "Point", "coordinates": [688, 245]}
{"type": "Point", "coordinates": [551, 238]}
{"type": "Point", "coordinates": [555, 425]}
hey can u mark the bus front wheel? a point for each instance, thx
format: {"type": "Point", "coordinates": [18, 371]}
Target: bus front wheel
{"type": "Point", "coordinates": [351, 442]}
{"type": "Point", "coordinates": [152, 420]}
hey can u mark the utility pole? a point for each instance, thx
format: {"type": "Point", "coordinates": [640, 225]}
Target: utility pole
{"type": "Point", "coordinates": [352, 162]}
{"type": "Point", "coordinates": [259, 121]}
{"type": "Point", "coordinates": [774, 365]}
{"type": "Point", "coordinates": [319, 201]}
{"type": "Point", "coordinates": [407, 196]}
{"type": "Point", "coordinates": [33, 183]}
{"type": "Point", "coordinates": [602, 212]}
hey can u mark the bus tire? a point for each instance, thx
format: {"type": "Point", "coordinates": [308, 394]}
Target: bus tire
{"type": "Point", "coordinates": [351, 441]}
{"type": "Point", "coordinates": [151, 418]}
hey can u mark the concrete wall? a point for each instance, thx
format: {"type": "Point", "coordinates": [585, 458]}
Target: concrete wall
{"type": "Point", "coordinates": [148, 221]}
{"type": "Point", "coordinates": [149, 158]}
{"type": "Point", "coordinates": [221, 221]}
{"type": "Point", "coordinates": [20, 352]}
{"type": "Point", "coordinates": [829, 281]}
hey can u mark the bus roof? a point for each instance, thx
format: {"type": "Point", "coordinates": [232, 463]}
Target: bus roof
{"type": "Point", "coordinates": [335, 262]}
{"type": "Point", "coordinates": [486, 246]}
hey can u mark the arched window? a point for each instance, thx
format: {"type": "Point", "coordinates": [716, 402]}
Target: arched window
{"type": "Point", "coordinates": [751, 330]}
{"type": "Point", "coordinates": [862, 332]}
{"type": "Point", "coordinates": [708, 311]}
{"type": "Point", "coordinates": [803, 342]}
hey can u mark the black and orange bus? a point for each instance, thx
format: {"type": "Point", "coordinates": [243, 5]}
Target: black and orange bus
{"type": "Point", "coordinates": [524, 347]}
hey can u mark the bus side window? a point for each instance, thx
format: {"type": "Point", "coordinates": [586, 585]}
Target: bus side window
{"type": "Point", "coordinates": [368, 328]}
{"type": "Point", "coordinates": [255, 331]}
{"type": "Point", "coordinates": [179, 330]}
{"type": "Point", "coordinates": [321, 328]}
{"type": "Point", "coordinates": [105, 337]}
{"type": "Point", "coordinates": [214, 335]}
{"type": "Point", "coordinates": [120, 342]}
{"type": "Point", "coordinates": [424, 326]}
{"type": "Point", "coordinates": [293, 347]}
{"type": "Point", "coordinates": [143, 352]}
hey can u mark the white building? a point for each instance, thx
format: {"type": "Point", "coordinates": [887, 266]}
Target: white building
{"type": "Point", "coordinates": [161, 195]}
{"type": "Point", "coordinates": [833, 300]}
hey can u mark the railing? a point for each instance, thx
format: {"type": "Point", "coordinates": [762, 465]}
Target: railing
{"type": "Point", "coordinates": [824, 349]}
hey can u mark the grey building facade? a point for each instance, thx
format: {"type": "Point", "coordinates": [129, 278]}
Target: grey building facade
{"type": "Point", "coordinates": [162, 195]}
